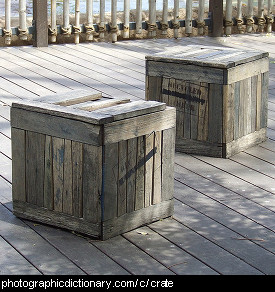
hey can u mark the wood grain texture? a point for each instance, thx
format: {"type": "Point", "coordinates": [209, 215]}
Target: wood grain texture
{"type": "Point", "coordinates": [131, 174]}
{"type": "Point", "coordinates": [168, 154]}
{"type": "Point", "coordinates": [246, 70]}
{"type": "Point", "coordinates": [77, 179]}
{"type": "Point", "coordinates": [140, 182]}
{"type": "Point", "coordinates": [49, 124]}
{"type": "Point", "coordinates": [138, 126]}
{"type": "Point", "coordinates": [35, 144]}
{"type": "Point", "coordinates": [71, 97]}
{"type": "Point", "coordinates": [264, 99]}
{"type": "Point", "coordinates": [203, 113]}
{"type": "Point", "coordinates": [92, 183]}
{"type": "Point", "coordinates": [215, 113]}
{"type": "Point", "coordinates": [157, 171]}
{"type": "Point", "coordinates": [245, 142]}
{"type": "Point", "coordinates": [207, 56]}
{"type": "Point", "coordinates": [58, 172]}
{"type": "Point", "coordinates": [48, 174]}
{"type": "Point", "coordinates": [185, 72]}
{"type": "Point", "coordinates": [149, 168]}
{"type": "Point", "coordinates": [122, 180]}
{"type": "Point", "coordinates": [154, 85]}
{"type": "Point", "coordinates": [228, 113]}
{"type": "Point", "coordinates": [68, 179]}
{"type": "Point", "coordinates": [180, 106]}
{"type": "Point", "coordinates": [110, 179]}
{"type": "Point", "coordinates": [34, 213]}
{"type": "Point", "coordinates": [134, 219]}
{"type": "Point", "coordinates": [237, 107]}
{"type": "Point", "coordinates": [18, 164]}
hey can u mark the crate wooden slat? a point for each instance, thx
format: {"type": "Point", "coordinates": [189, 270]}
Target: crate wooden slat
{"type": "Point", "coordinates": [220, 96]}
{"type": "Point", "coordinates": [99, 172]}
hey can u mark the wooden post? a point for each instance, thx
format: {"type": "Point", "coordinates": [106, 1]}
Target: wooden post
{"type": "Point", "coordinates": [216, 10]}
{"type": "Point", "coordinates": [89, 25]}
{"type": "Point", "coordinates": [126, 31]}
{"type": "Point", "coordinates": [7, 29]}
{"type": "Point", "coordinates": [77, 22]}
{"type": "Point", "coordinates": [66, 28]}
{"type": "Point", "coordinates": [164, 23]}
{"type": "Point", "coordinates": [102, 20]}
{"type": "Point", "coordinates": [22, 20]}
{"type": "Point", "coordinates": [228, 17]}
{"type": "Point", "coordinates": [239, 17]}
{"type": "Point", "coordinates": [152, 19]}
{"type": "Point", "coordinates": [261, 18]}
{"type": "Point", "coordinates": [53, 30]}
{"type": "Point", "coordinates": [269, 18]}
{"type": "Point", "coordinates": [201, 22]}
{"type": "Point", "coordinates": [139, 17]}
{"type": "Point", "coordinates": [40, 19]}
{"type": "Point", "coordinates": [188, 18]}
{"type": "Point", "coordinates": [176, 19]}
{"type": "Point", "coordinates": [114, 21]}
{"type": "Point", "coordinates": [249, 19]}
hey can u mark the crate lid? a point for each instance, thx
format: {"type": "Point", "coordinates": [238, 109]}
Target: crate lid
{"type": "Point", "coordinates": [102, 111]}
{"type": "Point", "coordinates": [218, 57]}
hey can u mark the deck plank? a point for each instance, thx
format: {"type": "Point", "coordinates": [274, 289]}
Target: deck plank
{"type": "Point", "coordinates": [246, 174]}
{"type": "Point", "coordinates": [257, 164]}
{"type": "Point", "coordinates": [84, 75]}
{"type": "Point", "coordinates": [79, 250]}
{"type": "Point", "coordinates": [5, 145]}
{"type": "Point", "coordinates": [224, 208]}
{"type": "Point", "coordinates": [105, 66]}
{"type": "Point", "coordinates": [5, 127]}
{"type": "Point", "coordinates": [13, 262]}
{"type": "Point", "coordinates": [202, 248]}
{"type": "Point", "coordinates": [66, 77]}
{"type": "Point", "coordinates": [203, 224]}
{"type": "Point", "coordinates": [174, 258]}
{"type": "Point", "coordinates": [262, 153]}
{"type": "Point", "coordinates": [5, 166]}
{"type": "Point", "coordinates": [42, 67]}
{"type": "Point", "coordinates": [17, 76]}
{"type": "Point", "coordinates": [32, 72]}
{"type": "Point", "coordinates": [131, 257]}
{"type": "Point", "coordinates": [238, 187]}
{"type": "Point", "coordinates": [15, 89]}
{"type": "Point", "coordinates": [98, 68]}
{"type": "Point", "coordinates": [232, 205]}
{"type": "Point", "coordinates": [113, 50]}
{"type": "Point", "coordinates": [42, 255]}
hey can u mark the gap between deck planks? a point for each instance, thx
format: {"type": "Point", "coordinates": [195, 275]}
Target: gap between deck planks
{"type": "Point", "coordinates": [188, 243]}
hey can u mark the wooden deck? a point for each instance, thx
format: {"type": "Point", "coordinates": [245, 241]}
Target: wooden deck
{"type": "Point", "coordinates": [224, 221]}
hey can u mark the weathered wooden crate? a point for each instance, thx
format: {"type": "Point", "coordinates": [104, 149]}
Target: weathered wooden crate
{"type": "Point", "coordinates": [220, 96]}
{"type": "Point", "coordinates": [99, 171]}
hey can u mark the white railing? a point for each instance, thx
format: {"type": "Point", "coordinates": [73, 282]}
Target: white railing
{"type": "Point", "coordinates": [178, 18]}
{"type": "Point", "coordinates": [117, 26]}
{"type": "Point", "coordinates": [245, 19]}
{"type": "Point", "coordinates": [21, 28]}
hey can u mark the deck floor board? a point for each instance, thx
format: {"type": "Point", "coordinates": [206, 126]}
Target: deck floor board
{"type": "Point", "coordinates": [224, 220]}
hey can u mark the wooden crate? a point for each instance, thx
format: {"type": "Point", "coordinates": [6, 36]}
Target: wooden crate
{"type": "Point", "coordinates": [220, 95]}
{"type": "Point", "coordinates": [99, 171]}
